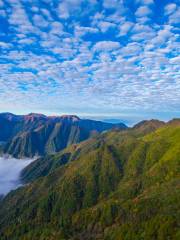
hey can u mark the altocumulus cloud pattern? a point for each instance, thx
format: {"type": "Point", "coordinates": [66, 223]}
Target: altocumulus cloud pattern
{"type": "Point", "coordinates": [89, 55]}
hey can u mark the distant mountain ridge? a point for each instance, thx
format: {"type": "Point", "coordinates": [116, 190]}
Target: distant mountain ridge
{"type": "Point", "coordinates": [37, 134]}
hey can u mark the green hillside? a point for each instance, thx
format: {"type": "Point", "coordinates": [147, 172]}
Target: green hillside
{"type": "Point", "coordinates": [122, 185]}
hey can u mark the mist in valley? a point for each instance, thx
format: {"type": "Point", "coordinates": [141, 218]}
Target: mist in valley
{"type": "Point", "coordinates": [10, 169]}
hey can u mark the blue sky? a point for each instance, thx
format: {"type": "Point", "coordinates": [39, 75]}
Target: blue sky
{"type": "Point", "coordinates": [109, 58]}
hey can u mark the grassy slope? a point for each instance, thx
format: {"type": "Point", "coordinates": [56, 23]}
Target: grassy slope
{"type": "Point", "coordinates": [121, 185]}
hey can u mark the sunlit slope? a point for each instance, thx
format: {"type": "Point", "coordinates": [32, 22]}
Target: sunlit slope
{"type": "Point", "coordinates": [127, 139]}
{"type": "Point", "coordinates": [121, 185]}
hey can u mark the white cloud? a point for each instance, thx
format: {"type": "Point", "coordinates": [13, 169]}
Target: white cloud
{"type": "Point", "coordinates": [18, 15]}
{"type": "Point", "coordinates": [106, 46]}
{"type": "Point", "coordinates": [174, 17]}
{"type": "Point", "coordinates": [136, 65]}
{"type": "Point", "coordinates": [138, 28]}
{"type": "Point", "coordinates": [170, 8]}
{"type": "Point", "coordinates": [56, 28]}
{"type": "Point", "coordinates": [145, 2]}
{"type": "Point", "coordinates": [143, 36]}
{"type": "Point", "coordinates": [1, 3]}
{"type": "Point", "coordinates": [125, 28]}
{"type": "Point", "coordinates": [10, 169]}
{"type": "Point", "coordinates": [81, 31]}
{"type": "Point", "coordinates": [63, 11]}
{"type": "Point", "coordinates": [40, 21]}
{"type": "Point", "coordinates": [27, 41]}
{"type": "Point", "coordinates": [111, 4]}
{"type": "Point", "coordinates": [105, 26]}
{"type": "Point", "coordinates": [64, 52]}
{"type": "Point", "coordinates": [162, 35]}
{"type": "Point", "coordinates": [5, 45]}
{"type": "Point", "coordinates": [175, 60]}
{"type": "Point", "coordinates": [19, 19]}
{"type": "Point", "coordinates": [46, 14]}
{"type": "Point", "coordinates": [2, 13]}
{"type": "Point", "coordinates": [142, 32]}
{"type": "Point", "coordinates": [143, 11]}
{"type": "Point", "coordinates": [117, 17]}
{"type": "Point", "coordinates": [132, 49]}
{"type": "Point", "coordinates": [35, 9]}
{"type": "Point", "coordinates": [68, 7]}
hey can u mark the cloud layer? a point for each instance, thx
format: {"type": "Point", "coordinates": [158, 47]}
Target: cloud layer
{"type": "Point", "coordinates": [10, 169]}
{"type": "Point", "coordinates": [89, 56]}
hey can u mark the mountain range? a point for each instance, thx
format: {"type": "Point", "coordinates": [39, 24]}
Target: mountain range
{"type": "Point", "coordinates": [36, 134]}
{"type": "Point", "coordinates": [117, 185]}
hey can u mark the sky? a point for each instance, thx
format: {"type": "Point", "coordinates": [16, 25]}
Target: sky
{"type": "Point", "coordinates": [97, 58]}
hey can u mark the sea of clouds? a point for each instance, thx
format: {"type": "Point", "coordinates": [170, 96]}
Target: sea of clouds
{"type": "Point", "coordinates": [10, 169]}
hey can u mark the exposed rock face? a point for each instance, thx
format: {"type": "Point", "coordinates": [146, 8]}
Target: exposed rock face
{"type": "Point", "coordinates": [37, 134]}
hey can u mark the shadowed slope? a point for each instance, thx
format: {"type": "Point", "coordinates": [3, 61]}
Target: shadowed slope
{"type": "Point", "coordinates": [37, 134]}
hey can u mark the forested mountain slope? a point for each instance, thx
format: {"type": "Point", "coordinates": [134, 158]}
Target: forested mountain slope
{"type": "Point", "coordinates": [120, 185]}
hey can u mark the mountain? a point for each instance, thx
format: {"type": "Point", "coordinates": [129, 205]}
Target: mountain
{"type": "Point", "coordinates": [119, 185]}
{"type": "Point", "coordinates": [36, 134]}
{"type": "Point", "coordinates": [146, 126]}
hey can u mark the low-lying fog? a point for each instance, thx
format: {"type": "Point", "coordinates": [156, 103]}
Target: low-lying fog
{"type": "Point", "coordinates": [10, 169]}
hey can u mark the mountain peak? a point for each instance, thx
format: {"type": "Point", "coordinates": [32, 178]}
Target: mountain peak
{"type": "Point", "coordinates": [152, 122]}
{"type": "Point", "coordinates": [72, 118]}
{"type": "Point", "coordinates": [10, 116]}
{"type": "Point", "coordinates": [147, 126]}
{"type": "Point", "coordinates": [174, 121]}
{"type": "Point", "coordinates": [33, 116]}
